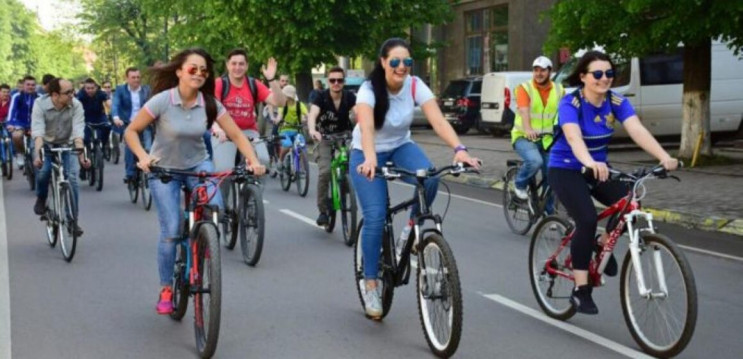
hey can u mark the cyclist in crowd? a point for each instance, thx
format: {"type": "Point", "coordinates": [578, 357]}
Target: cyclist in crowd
{"type": "Point", "coordinates": [43, 89]}
{"type": "Point", "coordinates": [289, 121]}
{"type": "Point", "coordinates": [58, 118]}
{"type": "Point", "coordinates": [4, 102]}
{"type": "Point", "coordinates": [315, 92]}
{"type": "Point", "coordinates": [19, 115]}
{"type": "Point", "coordinates": [384, 108]}
{"type": "Point", "coordinates": [94, 103]}
{"type": "Point", "coordinates": [537, 109]}
{"type": "Point", "coordinates": [333, 108]}
{"type": "Point", "coordinates": [184, 106]}
{"type": "Point", "coordinates": [271, 113]}
{"type": "Point", "coordinates": [18, 88]}
{"type": "Point", "coordinates": [127, 101]}
{"type": "Point", "coordinates": [587, 118]}
{"type": "Point", "coordinates": [235, 91]}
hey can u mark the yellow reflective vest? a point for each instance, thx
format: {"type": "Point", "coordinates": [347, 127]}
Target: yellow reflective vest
{"type": "Point", "coordinates": [543, 117]}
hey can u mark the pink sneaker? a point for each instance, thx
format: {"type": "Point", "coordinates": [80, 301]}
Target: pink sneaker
{"type": "Point", "coordinates": [165, 305]}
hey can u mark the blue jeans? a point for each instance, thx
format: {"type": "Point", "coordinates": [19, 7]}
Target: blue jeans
{"type": "Point", "coordinates": [374, 198]}
{"type": "Point", "coordinates": [534, 160]}
{"type": "Point", "coordinates": [129, 161]}
{"type": "Point", "coordinates": [71, 172]}
{"type": "Point", "coordinates": [167, 198]}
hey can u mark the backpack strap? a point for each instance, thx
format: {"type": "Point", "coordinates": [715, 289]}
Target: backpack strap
{"type": "Point", "coordinates": [557, 130]}
{"type": "Point", "coordinates": [254, 93]}
{"type": "Point", "coordinates": [225, 87]}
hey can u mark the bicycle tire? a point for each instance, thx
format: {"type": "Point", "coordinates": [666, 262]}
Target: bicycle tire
{"type": "Point", "coordinates": [388, 287]}
{"type": "Point", "coordinates": [180, 282]}
{"type": "Point", "coordinates": [51, 215]}
{"type": "Point", "coordinates": [5, 168]}
{"type": "Point", "coordinates": [681, 337]}
{"type": "Point", "coordinates": [66, 228]}
{"type": "Point", "coordinates": [133, 186]}
{"type": "Point", "coordinates": [209, 282]}
{"type": "Point", "coordinates": [285, 175]}
{"type": "Point", "coordinates": [546, 239]}
{"type": "Point", "coordinates": [230, 221]}
{"type": "Point", "coordinates": [445, 296]}
{"type": "Point", "coordinates": [8, 162]}
{"type": "Point", "coordinates": [252, 224]}
{"type": "Point", "coordinates": [331, 211]}
{"type": "Point", "coordinates": [144, 186]}
{"type": "Point", "coordinates": [303, 174]}
{"type": "Point", "coordinates": [116, 149]}
{"type": "Point", "coordinates": [518, 217]}
{"type": "Point", "coordinates": [349, 210]}
{"type": "Point", "coordinates": [29, 172]}
{"type": "Point", "coordinates": [99, 168]}
{"type": "Point", "coordinates": [91, 172]}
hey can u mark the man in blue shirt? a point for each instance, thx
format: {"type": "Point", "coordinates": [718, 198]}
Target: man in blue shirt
{"type": "Point", "coordinates": [94, 102]}
{"type": "Point", "coordinates": [19, 115]}
{"type": "Point", "coordinates": [127, 100]}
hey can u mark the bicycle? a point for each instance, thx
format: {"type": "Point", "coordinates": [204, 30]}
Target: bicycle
{"type": "Point", "coordinates": [28, 160]}
{"type": "Point", "coordinates": [438, 286]}
{"type": "Point", "coordinates": [60, 203]}
{"type": "Point", "coordinates": [341, 195]}
{"type": "Point", "coordinates": [296, 167]}
{"type": "Point", "coordinates": [244, 215]}
{"type": "Point", "coordinates": [654, 265]}
{"type": "Point", "coordinates": [197, 270]}
{"type": "Point", "coordinates": [520, 214]}
{"type": "Point", "coordinates": [95, 172]}
{"type": "Point", "coordinates": [112, 152]}
{"type": "Point", "coordinates": [7, 153]}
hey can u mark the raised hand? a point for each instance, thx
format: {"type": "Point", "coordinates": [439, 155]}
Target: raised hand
{"type": "Point", "coordinates": [269, 69]}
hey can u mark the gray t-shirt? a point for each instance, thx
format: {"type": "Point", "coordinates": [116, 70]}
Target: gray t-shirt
{"type": "Point", "coordinates": [396, 129]}
{"type": "Point", "coordinates": [179, 131]}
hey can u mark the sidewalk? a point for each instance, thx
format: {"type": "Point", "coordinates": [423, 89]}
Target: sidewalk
{"type": "Point", "coordinates": [709, 198]}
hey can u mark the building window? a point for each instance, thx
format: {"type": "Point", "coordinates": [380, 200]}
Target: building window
{"type": "Point", "coordinates": [486, 40]}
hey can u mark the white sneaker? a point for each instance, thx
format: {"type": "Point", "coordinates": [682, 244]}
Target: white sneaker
{"type": "Point", "coordinates": [373, 301]}
{"type": "Point", "coordinates": [19, 161]}
{"type": "Point", "coordinates": [520, 193]}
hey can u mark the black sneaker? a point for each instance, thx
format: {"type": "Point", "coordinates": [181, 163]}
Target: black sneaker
{"type": "Point", "coordinates": [78, 230]}
{"type": "Point", "coordinates": [83, 175]}
{"type": "Point", "coordinates": [40, 206]}
{"type": "Point", "coordinates": [322, 219]}
{"type": "Point", "coordinates": [582, 301]}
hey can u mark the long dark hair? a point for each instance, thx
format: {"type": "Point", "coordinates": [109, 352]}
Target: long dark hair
{"type": "Point", "coordinates": [163, 78]}
{"type": "Point", "coordinates": [379, 83]}
{"type": "Point", "coordinates": [582, 66]}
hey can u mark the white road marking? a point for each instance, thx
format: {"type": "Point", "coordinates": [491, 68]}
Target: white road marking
{"type": "Point", "coordinates": [609, 344]}
{"type": "Point", "coordinates": [298, 216]}
{"type": "Point", "coordinates": [4, 282]}
{"type": "Point", "coordinates": [711, 253]}
{"type": "Point", "coordinates": [266, 201]}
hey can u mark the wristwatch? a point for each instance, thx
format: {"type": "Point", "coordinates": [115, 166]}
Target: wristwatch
{"type": "Point", "coordinates": [460, 148]}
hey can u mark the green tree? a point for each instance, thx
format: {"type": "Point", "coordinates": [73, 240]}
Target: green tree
{"type": "Point", "coordinates": [640, 27]}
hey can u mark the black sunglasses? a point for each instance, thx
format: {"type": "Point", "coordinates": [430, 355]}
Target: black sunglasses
{"type": "Point", "coordinates": [68, 93]}
{"type": "Point", "coordinates": [407, 62]}
{"type": "Point", "coordinates": [336, 81]}
{"type": "Point", "coordinates": [598, 74]}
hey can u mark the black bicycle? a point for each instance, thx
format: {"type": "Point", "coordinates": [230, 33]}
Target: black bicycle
{"type": "Point", "coordinates": [438, 287]}
{"type": "Point", "coordinates": [244, 215]}
{"type": "Point", "coordinates": [28, 160]}
{"type": "Point", "coordinates": [96, 150]}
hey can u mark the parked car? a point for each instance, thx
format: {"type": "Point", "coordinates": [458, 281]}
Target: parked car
{"type": "Point", "coordinates": [498, 106]}
{"type": "Point", "coordinates": [460, 103]}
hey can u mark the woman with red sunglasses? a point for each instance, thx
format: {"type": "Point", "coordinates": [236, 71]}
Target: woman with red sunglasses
{"type": "Point", "coordinates": [586, 120]}
{"type": "Point", "coordinates": [182, 108]}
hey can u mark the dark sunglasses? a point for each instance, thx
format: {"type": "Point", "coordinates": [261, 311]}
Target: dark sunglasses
{"type": "Point", "coordinates": [68, 93]}
{"type": "Point", "coordinates": [407, 62]}
{"type": "Point", "coordinates": [598, 74]}
{"type": "Point", "coordinates": [336, 81]}
{"type": "Point", "coordinates": [193, 70]}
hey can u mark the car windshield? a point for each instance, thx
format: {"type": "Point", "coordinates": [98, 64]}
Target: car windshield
{"type": "Point", "coordinates": [455, 89]}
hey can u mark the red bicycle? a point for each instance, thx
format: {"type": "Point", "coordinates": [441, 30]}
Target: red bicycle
{"type": "Point", "coordinates": [657, 288]}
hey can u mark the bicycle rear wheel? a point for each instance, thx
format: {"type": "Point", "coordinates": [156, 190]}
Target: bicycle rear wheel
{"type": "Point", "coordinates": [663, 321]}
{"type": "Point", "coordinates": [99, 168]}
{"type": "Point", "coordinates": [303, 174]}
{"type": "Point", "coordinates": [330, 212]}
{"type": "Point", "coordinates": [51, 215]}
{"type": "Point", "coordinates": [439, 296]}
{"type": "Point", "coordinates": [115, 148]}
{"type": "Point", "coordinates": [180, 282]}
{"type": "Point", "coordinates": [348, 210]}
{"type": "Point", "coordinates": [144, 186]}
{"type": "Point", "coordinates": [252, 224]}
{"type": "Point", "coordinates": [285, 175]}
{"type": "Point", "coordinates": [133, 186]}
{"type": "Point", "coordinates": [552, 291]}
{"type": "Point", "coordinates": [384, 278]}
{"type": "Point", "coordinates": [28, 171]}
{"type": "Point", "coordinates": [207, 295]}
{"type": "Point", "coordinates": [92, 172]}
{"type": "Point", "coordinates": [230, 220]}
{"type": "Point", "coordinates": [67, 223]}
{"type": "Point", "coordinates": [517, 212]}
{"type": "Point", "coordinates": [8, 162]}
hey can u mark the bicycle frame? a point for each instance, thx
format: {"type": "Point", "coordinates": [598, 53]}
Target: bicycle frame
{"type": "Point", "coordinates": [299, 146]}
{"type": "Point", "coordinates": [338, 165]}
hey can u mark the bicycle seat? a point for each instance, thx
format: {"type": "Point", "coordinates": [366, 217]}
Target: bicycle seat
{"type": "Point", "coordinates": [514, 163]}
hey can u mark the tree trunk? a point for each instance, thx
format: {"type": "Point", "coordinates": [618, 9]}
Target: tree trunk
{"type": "Point", "coordinates": [695, 100]}
{"type": "Point", "coordinates": [304, 85]}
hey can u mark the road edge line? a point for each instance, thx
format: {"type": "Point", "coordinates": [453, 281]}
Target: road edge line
{"type": "Point", "coordinates": [5, 329]}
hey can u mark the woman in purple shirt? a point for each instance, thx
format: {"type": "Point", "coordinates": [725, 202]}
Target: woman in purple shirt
{"type": "Point", "coordinates": [587, 118]}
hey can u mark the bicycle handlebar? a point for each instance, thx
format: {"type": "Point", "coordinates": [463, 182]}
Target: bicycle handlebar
{"type": "Point", "coordinates": [657, 171]}
{"type": "Point", "coordinates": [98, 125]}
{"type": "Point", "coordinates": [168, 173]}
{"type": "Point", "coordinates": [344, 136]}
{"type": "Point", "coordinates": [390, 172]}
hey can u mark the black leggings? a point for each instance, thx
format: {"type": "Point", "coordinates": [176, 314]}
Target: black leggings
{"type": "Point", "coordinates": [574, 190]}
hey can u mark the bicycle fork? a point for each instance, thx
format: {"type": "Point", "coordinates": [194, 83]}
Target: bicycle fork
{"type": "Point", "coordinates": [635, 250]}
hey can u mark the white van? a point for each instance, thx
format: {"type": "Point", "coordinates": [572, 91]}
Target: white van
{"type": "Point", "coordinates": [654, 86]}
{"type": "Point", "coordinates": [498, 103]}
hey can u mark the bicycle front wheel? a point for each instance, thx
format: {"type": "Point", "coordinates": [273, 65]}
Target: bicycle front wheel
{"type": "Point", "coordinates": [115, 148]}
{"type": "Point", "coordinates": [517, 212]}
{"type": "Point", "coordinates": [551, 289]}
{"type": "Point", "coordinates": [207, 297]}
{"type": "Point", "coordinates": [230, 220]}
{"type": "Point", "coordinates": [180, 282]}
{"type": "Point", "coordinates": [144, 186]}
{"type": "Point", "coordinates": [384, 278]}
{"type": "Point", "coordinates": [285, 176]}
{"type": "Point", "coordinates": [92, 172]}
{"type": "Point", "coordinates": [439, 296]}
{"type": "Point", "coordinates": [67, 223]}
{"type": "Point", "coordinates": [133, 186]}
{"type": "Point", "coordinates": [99, 168]}
{"type": "Point", "coordinates": [28, 170]}
{"type": "Point", "coordinates": [348, 210]}
{"type": "Point", "coordinates": [663, 320]}
{"type": "Point", "coordinates": [8, 163]}
{"type": "Point", "coordinates": [303, 174]}
{"type": "Point", "coordinates": [51, 215]}
{"type": "Point", "coordinates": [252, 224]}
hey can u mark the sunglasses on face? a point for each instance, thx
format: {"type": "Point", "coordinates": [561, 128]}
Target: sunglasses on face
{"type": "Point", "coordinates": [407, 62]}
{"type": "Point", "coordinates": [193, 70]}
{"type": "Point", "coordinates": [336, 81]}
{"type": "Point", "coordinates": [598, 74]}
{"type": "Point", "coordinates": [68, 93]}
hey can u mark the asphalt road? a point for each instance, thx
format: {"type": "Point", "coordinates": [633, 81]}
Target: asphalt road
{"type": "Point", "coordinates": [300, 301]}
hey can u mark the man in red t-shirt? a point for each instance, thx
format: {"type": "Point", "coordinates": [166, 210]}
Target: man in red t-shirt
{"type": "Point", "coordinates": [4, 101]}
{"type": "Point", "coordinates": [241, 105]}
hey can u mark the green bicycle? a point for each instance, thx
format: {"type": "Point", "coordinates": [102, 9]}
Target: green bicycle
{"type": "Point", "coordinates": [341, 195]}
